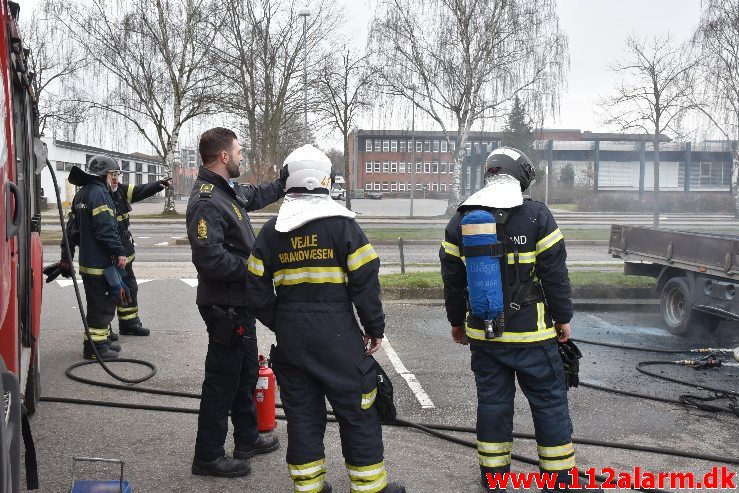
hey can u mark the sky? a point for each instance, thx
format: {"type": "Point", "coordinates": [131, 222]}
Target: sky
{"type": "Point", "coordinates": [597, 30]}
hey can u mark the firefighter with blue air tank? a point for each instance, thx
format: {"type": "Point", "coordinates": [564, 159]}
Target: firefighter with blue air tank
{"type": "Point", "coordinates": [310, 267]}
{"type": "Point", "coordinates": [507, 294]}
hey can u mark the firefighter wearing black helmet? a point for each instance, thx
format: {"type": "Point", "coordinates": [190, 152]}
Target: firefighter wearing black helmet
{"type": "Point", "coordinates": [124, 194]}
{"type": "Point", "coordinates": [92, 226]}
{"type": "Point", "coordinates": [537, 312]}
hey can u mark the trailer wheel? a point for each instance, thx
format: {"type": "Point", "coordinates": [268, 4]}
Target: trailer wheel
{"type": "Point", "coordinates": [677, 310]}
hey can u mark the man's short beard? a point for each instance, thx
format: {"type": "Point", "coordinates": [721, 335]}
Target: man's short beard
{"type": "Point", "coordinates": [234, 171]}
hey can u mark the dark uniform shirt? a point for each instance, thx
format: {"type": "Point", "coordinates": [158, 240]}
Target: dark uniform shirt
{"type": "Point", "coordinates": [93, 227]}
{"type": "Point", "coordinates": [124, 196]}
{"type": "Point", "coordinates": [541, 257]}
{"type": "Point", "coordinates": [324, 263]}
{"type": "Point", "coordinates": [221, 235]}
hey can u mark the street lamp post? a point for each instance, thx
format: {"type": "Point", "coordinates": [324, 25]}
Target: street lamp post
{"type": "Point", "coordinates": [413, 140]}
{"type": "Point", "coordinates": [304, 13]}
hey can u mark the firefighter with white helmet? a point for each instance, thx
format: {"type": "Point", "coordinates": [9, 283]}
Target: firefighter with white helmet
{"type": "Point", "coordinates": [309, 267]}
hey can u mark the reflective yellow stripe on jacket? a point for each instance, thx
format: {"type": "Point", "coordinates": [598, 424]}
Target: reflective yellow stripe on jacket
{"type": "Point", "coordinates": [312, 275]}
{"type": "Point", "coordinates": [360, 257]}
{"type": "Point", "coordinates": [541, 333]}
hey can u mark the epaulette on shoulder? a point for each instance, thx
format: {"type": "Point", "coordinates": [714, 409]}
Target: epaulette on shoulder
{"type": "Point", "coordinates": [206, 190]}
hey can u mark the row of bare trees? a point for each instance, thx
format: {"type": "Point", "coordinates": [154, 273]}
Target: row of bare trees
{"type": "Point", "coordinates": [664, 82]}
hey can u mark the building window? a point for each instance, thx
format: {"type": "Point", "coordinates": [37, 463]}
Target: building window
{"type": "Point", "coordinates": [139, 179]}
{"type": "Point", "coordinates": [419, 167]}
{"type": "Point", "coordinates": [435, 166]}
{"type": "Point", "coordinates": [368, 145]}
{"type": "Point", "coordinates": [377, 166]}
{"type": "Point", "coordinates": [401, 186]}
{"type": "Point", "coordinates": [384, 186]}
{"type": "Point", "coordinates": [410, 146]}
{"type": "Point", "coordinates": [443, 187]}
{"type": "Point", "coordinates": [403, 146]}
{"type": "Point", "coordinates": [394, 186]}
{"type": "Point", "coordinates": [436, 146]}
{"type": "Point", "coordinates": [409, 187]}
{"type": "Point", "coordinates": [385, 145]}
{"type": "Point", "coordinates": [152, 169]}
{"type": "Point", "coordinates": [451, 167]}
{"type": "Point", "coordinates": [62, 166]}
{"type": "Point", "coordinates": [377, 186]}
{"type": "Point", "coordinates": [139, 167]}
{"type": "Point", "coordinates": [419, 146]}
{"type": "Point", "coordinates": [443, 146]}
{"type": "Point", "coordinates": [393, 146]}
{"type": "Point", "coordinates": [419, 187]}
{"type": "Point", "coordinates": [468, 148]}
{"type": "Point", "coordinates": [393, 167]}
{"type": "Point", "coordinates": [477, 148]}
{"type": "Point", "coordinates": [426, 167]}
{"type": "Point", "coordinates": [368, 167]}
{"type": "Point", "coordinates": [452, 146]}
{"type": "Point", "coordinates": [434, 187]}
{"type": "Point", "coordinates": [377, 145]}
{"type": "Point", "coordinates": [152, 178]}
{"type": "Point", "coordinates": [402, 168]}
{"type": "Point", "coordinates": [444, 167]}
{"type": "Point", "coordinates": [125, 165]}
{"type": "Point", "coordinates": [427, 145]}
{"type": "Point", "coordinates": [385, 167]}
{"type": "Point", "coordinates": [368, 185]}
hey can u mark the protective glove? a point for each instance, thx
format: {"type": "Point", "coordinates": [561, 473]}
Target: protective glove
{"type": "Point", "coordinates": [571, 355]}
{"type": "Point", "coordinates": [54, 270]}
{"type": "Point", "coordinates": [284, 173]}
{"type": "Point", "coordinates": [165, 183]}
{"type": "Point", "coordinates": [118, 289]}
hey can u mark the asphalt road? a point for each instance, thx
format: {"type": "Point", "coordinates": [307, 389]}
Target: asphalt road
{"type": "Point", "coordinates": [157, 446]}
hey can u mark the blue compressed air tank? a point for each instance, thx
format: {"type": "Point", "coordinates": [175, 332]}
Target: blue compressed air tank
{"type": "Point", "coordinates": [483, 272]}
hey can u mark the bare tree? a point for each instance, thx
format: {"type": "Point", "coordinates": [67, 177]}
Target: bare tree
{"type": "Point", "coordinates": [56, 64]}
{"type": "Point", "coordinates": [717, 37]}
{"type": "Point", "coordinates": [654, 93]}
{"type": "Point", "coordinates": [343, 88]}
{"type": "Point", "coordinates": [260, 54]}
{"type": "Point", "coordinates": [157, 53]}
{"type": "Point", "coordinates": [468, 59]}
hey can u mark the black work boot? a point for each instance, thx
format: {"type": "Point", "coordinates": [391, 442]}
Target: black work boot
{"type": "Point", "coordinates": [112, 336]}
{"type": "Point", "coordinates": [114, 346]}
{"type": "Point", "coordinates": [266, 443]}
{"type": "Point", "coordinates": [224, 467]}
{"type": "Point", "coordinates": [394, 487]}
{"type": "Point", "coordinates": [103, 348]}
{"type": "Point", "coordinates": [133, 329]}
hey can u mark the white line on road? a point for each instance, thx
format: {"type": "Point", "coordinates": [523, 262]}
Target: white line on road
{"type": "Point", "coordinates": [142, 281]}
{"type": "Point", "coordinates": [68, 282]}
{"type": "Point", "coordinates": [193, 283]}
{"type": "Point", "coordinates": [164, 243]}
{"type": "Point", "coordinates": [409, 377]}
{"type": "Point", "coordinates": [143, 237]}
{"type": "Point", "coordinates": [176, 237]}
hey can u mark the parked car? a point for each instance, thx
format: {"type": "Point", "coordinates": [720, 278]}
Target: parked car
{"type": "Point", "coordinates": [373, 195]}
{"type": "Point", "coordinates": [338, 193]}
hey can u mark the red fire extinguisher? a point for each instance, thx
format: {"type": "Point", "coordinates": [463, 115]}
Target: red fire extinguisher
{"type": "Point", "coordinates": [264, 396]}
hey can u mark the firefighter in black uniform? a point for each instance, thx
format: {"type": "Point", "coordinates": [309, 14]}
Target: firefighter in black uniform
{"type": "Point", "coordinates": [221, 238]}
{"type": "Point", "coordinates": [537, 312]}
{"type": "Point", "coordinates": [308, 267]}
{"type": "Point", "coordinates": [93, 227]}
{"type": "Point", "coordinates": [124, 195]}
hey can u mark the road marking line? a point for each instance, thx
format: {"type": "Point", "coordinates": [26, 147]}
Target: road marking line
{"type": "Point", "coordinates": [409, 377]}
{"type": "Point", "coordinates": [193, 283]}
{"type": "Point", "coordinates": [164, 243]}
{"type": "Point", "coordinates": [143, 237]}
{"type": "Point", "coordinates": [65, 282]}
{"type": "Point", "coordinates": [142, 281]}
{"type": "Point", "coordinates": [176, 237]}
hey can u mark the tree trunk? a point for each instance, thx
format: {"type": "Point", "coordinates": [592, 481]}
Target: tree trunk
{"type": "Point", "coordinates": [347, 190]}
{"type": "Point", "coordinates": [453, 203]}
{"type": "Point", "coordinates": [655, 204]}
{"type": "Point", "coordinates": [735, 178]}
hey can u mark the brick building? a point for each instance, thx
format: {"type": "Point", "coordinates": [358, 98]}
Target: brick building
{"type": "Point", "coordinates": [394, 161]}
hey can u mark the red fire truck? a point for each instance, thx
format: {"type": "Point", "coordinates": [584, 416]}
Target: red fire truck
{"type": "Point", "coordinates": [20, 245]}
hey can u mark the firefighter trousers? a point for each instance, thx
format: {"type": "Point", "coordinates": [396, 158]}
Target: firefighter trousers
{"type": "Point", "coordinates": [128, 316]}
{"type": "Point", "coordinates": [100, 307]}
{"type": "Point", "coordinates": [540, 375]}
{"type": "Point", "coordinates": [326, 361]}
{"type": "Point", "coordinates": [230, 379]}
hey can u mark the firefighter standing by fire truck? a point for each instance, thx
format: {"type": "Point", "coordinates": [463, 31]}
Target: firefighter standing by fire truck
{"type": "Point", "coordinates": [308, 267]}
{"type": "Point", "coordinates": [221, 238]}
{"type": "Point", "coordinates": [124, 194]}
{"type": "Point", "coordinates": [92, 226]}
{"type": "Point", "coordinates": [537, 309]}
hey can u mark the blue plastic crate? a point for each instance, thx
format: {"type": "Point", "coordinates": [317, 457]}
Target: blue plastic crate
{"type": "Point", "coordinates": [94, 486]}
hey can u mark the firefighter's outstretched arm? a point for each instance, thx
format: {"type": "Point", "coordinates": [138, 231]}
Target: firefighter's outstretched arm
{"type": "Point", "coordinates": [260, 291]}
{"type": "Point", "coordinates": [205, 232]}
{"type": "Point", "coordinates": [135, 193]}
{"type": "Point", "coordinates": [551, 268]}
{"type": "Point", "coordinates": [260, 196]}
{"type": "Point", "coordinates": [363, 268]}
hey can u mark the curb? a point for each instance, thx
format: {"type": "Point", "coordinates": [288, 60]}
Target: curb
{"type": "Point", "coordinates": [623, 305]}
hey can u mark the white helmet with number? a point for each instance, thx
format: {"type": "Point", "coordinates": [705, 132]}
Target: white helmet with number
{"type": "Point", "coordinates": [309, 171]}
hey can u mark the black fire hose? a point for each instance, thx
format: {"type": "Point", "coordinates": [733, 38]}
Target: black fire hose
{"type": "Point", "coordinates": [98, 359]}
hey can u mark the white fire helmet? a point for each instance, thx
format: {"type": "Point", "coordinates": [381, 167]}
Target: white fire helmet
{"type": "Point", "coordinates": [310, 171]}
